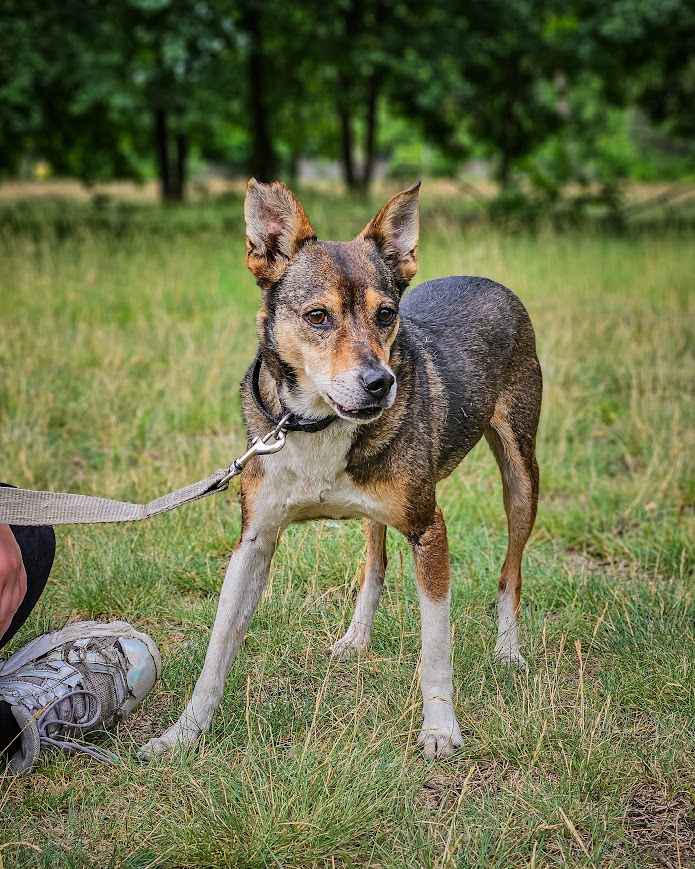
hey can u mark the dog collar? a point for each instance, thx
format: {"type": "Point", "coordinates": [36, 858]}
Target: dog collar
{"type": "Point", "coordinates": [294, 423]}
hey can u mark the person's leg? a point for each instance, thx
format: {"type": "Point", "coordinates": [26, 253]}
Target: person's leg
{"type": "Point", "coordinates": [70, 682]}
{"type": "Point", "coordinates": [37, 545]}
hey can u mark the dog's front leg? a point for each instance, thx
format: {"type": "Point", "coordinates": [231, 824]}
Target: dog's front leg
{"type": "Point", "coordinates": [357, 635]}
{"type": "Point", "coordinates": [440, 734]}
{"type": "Point", "coordinates": [244, 582]}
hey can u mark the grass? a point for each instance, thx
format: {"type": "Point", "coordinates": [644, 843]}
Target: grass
{"type": "Point", "coordinates": [120, 359]}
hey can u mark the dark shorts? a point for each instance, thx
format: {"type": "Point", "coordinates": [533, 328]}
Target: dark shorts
{"type": "Point", "coordinates": [38, 545]}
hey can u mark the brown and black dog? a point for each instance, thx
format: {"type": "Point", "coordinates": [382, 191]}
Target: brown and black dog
{"type": "Point", "coordinates": [388, 394]}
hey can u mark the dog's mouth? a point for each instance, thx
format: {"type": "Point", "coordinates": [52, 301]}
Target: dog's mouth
{"type": "Point", "coordinates": [363, 414]}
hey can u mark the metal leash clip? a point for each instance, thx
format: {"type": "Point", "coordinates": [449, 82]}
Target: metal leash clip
{"type": "Point", "coordinates": [273, 442]}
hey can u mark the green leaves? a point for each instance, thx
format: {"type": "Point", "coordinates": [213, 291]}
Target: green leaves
{"type": "Point", "coordinates": [251, 85]}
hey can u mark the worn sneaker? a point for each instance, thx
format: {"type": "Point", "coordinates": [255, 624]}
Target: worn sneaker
{"type": "Point", "coordinates": [68, 683]}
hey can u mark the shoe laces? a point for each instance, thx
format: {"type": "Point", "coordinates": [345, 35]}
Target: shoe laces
{"type": "Point", "coordinates": [60, 713]}
{"type": "Point", "coordinates": [62, 739]}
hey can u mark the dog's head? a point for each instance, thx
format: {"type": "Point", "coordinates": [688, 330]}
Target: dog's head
{"type": "Point", "coordinates": [330, 309]}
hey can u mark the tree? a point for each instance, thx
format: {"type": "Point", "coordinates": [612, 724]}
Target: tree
{"type": "Point", "coordinates": [50, 76]}
{"type": "Point", "coordinates": [98, 88]}
{"type": "Point", "coordinates": [349, 51]}
{"type": "Point", "coordinates": [360, 69]}
{"type": "Point", "coordinates": [106, 90]}
{"type": "Point", "coordinates": [644, 54]}
{"type": "Point", "coordinates": [176, 59]}
{"type": "Point", "coordinates": [484, 75]}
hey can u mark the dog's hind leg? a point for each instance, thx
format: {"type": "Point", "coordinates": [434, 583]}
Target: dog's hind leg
{"type": "Point", "coordinates": [244, 582]}
{"type": "Point", "coordinates": [357, 635]}
{"type": "Point", "coordinates": [511, 435]}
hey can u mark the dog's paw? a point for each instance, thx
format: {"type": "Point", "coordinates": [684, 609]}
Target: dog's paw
{"type": "Point", "coordinates": [177, 736]}
{"type": "Point", "coordinates": [440, 735]}
{"type": "Point", "coordinates": [510, 656]}
{"type": "Point", "coordinates": [355, 640]}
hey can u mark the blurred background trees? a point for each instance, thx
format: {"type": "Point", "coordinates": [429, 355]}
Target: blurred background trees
{"type": "Point", "coordinates": [538, 93]}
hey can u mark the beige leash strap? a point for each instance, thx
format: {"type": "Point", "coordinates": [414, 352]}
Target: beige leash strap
{"type": "Point", "coordinates": [29, 507]}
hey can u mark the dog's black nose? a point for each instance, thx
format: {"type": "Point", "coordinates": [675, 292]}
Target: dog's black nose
{"type": "Point", "coordinates": [377, 382]}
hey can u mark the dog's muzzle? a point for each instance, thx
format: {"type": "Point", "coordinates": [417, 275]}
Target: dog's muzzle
{"type": "Point", "coordinates": [364, 394]}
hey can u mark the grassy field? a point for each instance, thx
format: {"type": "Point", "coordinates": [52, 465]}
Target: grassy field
{"type": "Point", "coordinates": [120, 359]}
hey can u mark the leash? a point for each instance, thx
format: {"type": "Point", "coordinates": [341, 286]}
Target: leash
{"type": "Point", "coordinates": [30, 507]}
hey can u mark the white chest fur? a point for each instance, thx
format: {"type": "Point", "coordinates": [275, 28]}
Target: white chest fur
{"type": "Point", "coordinates": [307, 479]}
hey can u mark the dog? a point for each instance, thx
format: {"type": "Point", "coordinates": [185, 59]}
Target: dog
{"type": "Point", "coordinates": [387, 393]}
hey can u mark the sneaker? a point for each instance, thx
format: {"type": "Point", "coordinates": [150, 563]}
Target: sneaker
{"type": "Point", "coordinates": [71, 682]}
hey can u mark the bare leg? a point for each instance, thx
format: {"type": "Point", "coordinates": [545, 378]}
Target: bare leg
{"type": "Point", "coordinates": [244, 582]}
{"type": "Point", "coordinates": [357, 635]}
{"type": "Point", "coordinates": [440, 734]}
{"type": "Point", "coordinates": [514, 451]}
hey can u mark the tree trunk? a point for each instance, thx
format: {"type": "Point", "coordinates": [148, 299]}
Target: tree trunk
{"type": "Point", "coordinates": [180, 176]}
{"type": "Point", "coordinates": [504, 170]}
{"type": "Point", "coordinates": [370, 130]}
{"type": "Point", "coordinates": [346, 144]}
{"type": "Point", "coordinates": [351, 26]}
{"type": "Point", "coordinates": [507, 140]}
{"type": "Point", "coordinates": [293, 164]}
{"type": "Point", "coordinates": [161, 136]}
{"type": "Point", "coordinates": [262, 160]}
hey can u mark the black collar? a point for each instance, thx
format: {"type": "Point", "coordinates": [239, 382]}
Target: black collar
{"type": "Point", "coordinates": [294, 423]}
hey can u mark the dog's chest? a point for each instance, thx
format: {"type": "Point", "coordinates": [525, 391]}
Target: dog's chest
{"type": "Point", "coordinates": [308, 479]}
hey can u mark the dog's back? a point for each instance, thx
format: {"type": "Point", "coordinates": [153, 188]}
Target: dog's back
{"type": "Point", "coordinates": [480, 338]}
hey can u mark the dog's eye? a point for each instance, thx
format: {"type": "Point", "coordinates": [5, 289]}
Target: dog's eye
{"type": "Point", "coordinates": [385, 316]}
{"type": "Point", "coordinates": [317, 317]}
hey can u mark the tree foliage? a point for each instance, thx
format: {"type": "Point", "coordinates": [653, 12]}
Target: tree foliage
{"type": "Point", "coordinates": [103, 90]}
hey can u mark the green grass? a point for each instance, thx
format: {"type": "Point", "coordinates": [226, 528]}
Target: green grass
{"type": "Point", "coordinates": [120, 359]}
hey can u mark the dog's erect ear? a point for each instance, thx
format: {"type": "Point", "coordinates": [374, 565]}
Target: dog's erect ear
{"type": "Point", "coordinates": [276, 227]}
{"type": "Point", "coordinates": [395, 231]}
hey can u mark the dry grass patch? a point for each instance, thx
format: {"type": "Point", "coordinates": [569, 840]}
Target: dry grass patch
{"type": "Point", "coordinates": [661, 825]}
